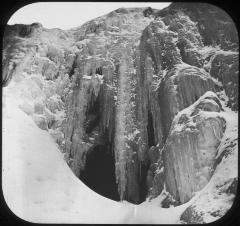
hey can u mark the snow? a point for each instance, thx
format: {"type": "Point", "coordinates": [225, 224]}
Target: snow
{"type": "Point", "coordinates": [60, 115]}
{"type": "Point", "coordinates": [39, 187]}
{"type": "Point", "coordinates": [87, 77]}
{"type": "Point", "coordinates": [45, 189]}
{"type": "Point", "coordinates": [100, 78]}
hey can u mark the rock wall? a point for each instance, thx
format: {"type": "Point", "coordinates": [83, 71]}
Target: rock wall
{"type": "Point", "coordinates": [191, 147]}
{"type": "Point", "coordinates": [225, 67]}
{"type": "Point", "coordinates": [216, 27]}
{"type": "Point", "coordinates": [108, 51]}
{"type": "Point", "coordinates": [174, 50]}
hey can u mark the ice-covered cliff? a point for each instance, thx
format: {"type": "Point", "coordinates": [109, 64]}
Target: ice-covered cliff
{"type": "Point", "coordinates": [143, 103]}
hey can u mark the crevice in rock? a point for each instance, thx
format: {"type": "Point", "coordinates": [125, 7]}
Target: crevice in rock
{"type": "Point", "coordinates": [74, 66]}
{"type": "Point", "coordinates": [180, 46]}
{"type": "Point", "coordinates": [99, 71]}
{"type": "Point", "coordinates": [51, 123]}
{"type": "Point", "coordinates": [99, 173]}
{"type": "Point", "coordinates": [143, 188]}
{"type": "Point", "coordinates": [150, 130]}
{"type": "Point", "coordinates": [93, 115]}
{"type": "Point", "coordinates": [99, 168]}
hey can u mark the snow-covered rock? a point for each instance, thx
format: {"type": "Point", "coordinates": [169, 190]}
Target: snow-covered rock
{"type": "Point", "coordinates": [191, 147]}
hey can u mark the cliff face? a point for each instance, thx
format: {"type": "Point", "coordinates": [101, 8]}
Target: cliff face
{"type": "Point", "coordinates": [179, 44]}
{"type": "Point", "coordinates": [147, 89]}
{"type": "Point", "coordinates": [103, 103]}
{"type": "Point", "coordinates": [191, 147]}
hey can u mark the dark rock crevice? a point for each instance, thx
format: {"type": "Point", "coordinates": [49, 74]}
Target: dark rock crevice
{"type": "Point", "coordinates": [72, 69]}
{"type": "Point", "coordinates": [93, 115]}
{"type": "Point", "coordinates": [150, 130]}
{"type": "Point", "coordinates": [99, 172]}
{"type": "Point", "coordinates": [143, 191]}
{"type": "Point", "coordinates": [99, 71]}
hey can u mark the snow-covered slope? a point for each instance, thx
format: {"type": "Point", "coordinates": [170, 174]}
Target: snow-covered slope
{"type": "Point", "coordinates": [39, 187]}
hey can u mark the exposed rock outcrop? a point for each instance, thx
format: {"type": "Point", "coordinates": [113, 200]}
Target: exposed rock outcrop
{"type": "Point", "coordinates": [108, 51]}
{"type": "Point", "coordinates": [191, 147]}
{"type": "Point", "coordinates": [181, 87]}
{"type": "Point", "coordinates": [215, 25]}
{"type": "Point", "coordinates": [225, 67]}
{"type": "Point", "coordinates": [218, 196]}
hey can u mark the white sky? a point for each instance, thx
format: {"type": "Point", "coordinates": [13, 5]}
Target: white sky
{"type": "Point", "coordinates": [66, 15]}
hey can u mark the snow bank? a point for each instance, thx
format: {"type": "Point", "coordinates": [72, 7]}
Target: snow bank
{"type": "Point", "coordinates": [39, 187]}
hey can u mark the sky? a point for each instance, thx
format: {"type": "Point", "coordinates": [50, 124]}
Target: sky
{"type": "Point", "coordinates": [66, 15]}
